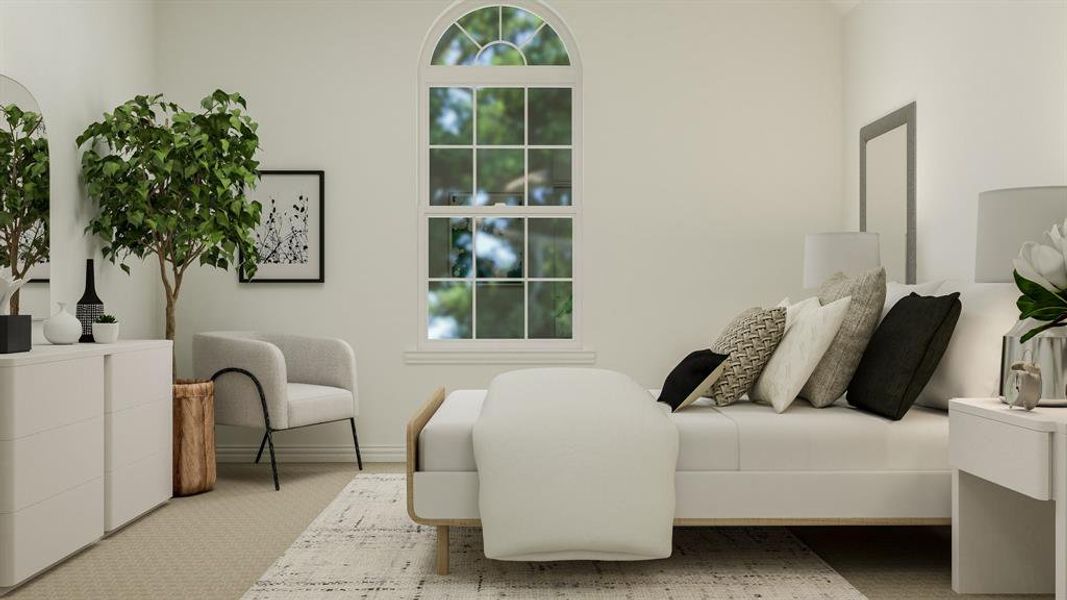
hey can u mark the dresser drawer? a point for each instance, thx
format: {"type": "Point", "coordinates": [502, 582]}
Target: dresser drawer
{"type": "Point", "coordinates": [134, 433]}
{"type": "Point", "coordinates": [137, 377]}
{"type": "Point", "coordinates": [36, 467]}
{"type": "Point", "coordinates": [135, 489]}
{"type": "Point", "coordinates": [50, 395]}
{"type": "Point", "coordinates": [38, 536]}
{"type": "Point", "coordinates": [1008, 455]}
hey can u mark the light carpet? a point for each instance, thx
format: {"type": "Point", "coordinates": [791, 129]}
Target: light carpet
{"type": "Point", "coordinates": [363, 545]}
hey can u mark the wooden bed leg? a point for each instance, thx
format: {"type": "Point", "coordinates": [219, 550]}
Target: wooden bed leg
{"type": "Point", "coordinates": [442, 549]}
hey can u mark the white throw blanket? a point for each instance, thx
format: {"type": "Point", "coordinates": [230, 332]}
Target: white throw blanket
{"type": "Point", "coordinates": [574, 464]}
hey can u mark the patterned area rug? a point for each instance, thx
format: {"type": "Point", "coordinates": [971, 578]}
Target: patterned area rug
{"type": "Point", "coordinates": [364, 546]}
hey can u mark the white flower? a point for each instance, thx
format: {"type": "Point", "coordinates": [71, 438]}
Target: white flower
{"type": "Point", "coordinates": [1045, 265]}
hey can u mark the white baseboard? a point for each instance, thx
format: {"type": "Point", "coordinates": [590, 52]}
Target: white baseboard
{"type": "Point", "coordinates": [311, 454]}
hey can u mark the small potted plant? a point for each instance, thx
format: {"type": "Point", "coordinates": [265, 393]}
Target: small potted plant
{"type": "Point", "coordinates": [106, 329]}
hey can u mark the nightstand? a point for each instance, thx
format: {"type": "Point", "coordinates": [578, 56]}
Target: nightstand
{"type": "Point", "coordinates": [1009, 498]}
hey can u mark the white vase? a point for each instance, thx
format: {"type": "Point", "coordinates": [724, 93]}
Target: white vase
{"type": "Point", "coordinates": [105, 333]}
{"type": "Point", "coordinates": [62, 327]}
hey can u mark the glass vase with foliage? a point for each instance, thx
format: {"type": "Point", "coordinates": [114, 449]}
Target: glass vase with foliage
{"type": "Point", "coordinates": [23, 193]}
{"type": "Point", "coordinates": [171, 183]}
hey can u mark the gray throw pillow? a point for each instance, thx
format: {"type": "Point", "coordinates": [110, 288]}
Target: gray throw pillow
{"type": "Point", "coordinates": [748, 341]}
{"type": "Point", "coordinates": [831, 378]}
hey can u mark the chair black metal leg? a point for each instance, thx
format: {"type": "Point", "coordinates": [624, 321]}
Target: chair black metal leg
{"type": "Point", "coordinates": [261, 446]}
{"type": "Point", "coordinates": [355, 440]}
{"type": "Point", "coordinates": [273, 464]}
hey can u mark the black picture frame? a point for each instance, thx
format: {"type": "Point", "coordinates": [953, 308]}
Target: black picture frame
{"type": "Point", "coordinates": [320, 276]}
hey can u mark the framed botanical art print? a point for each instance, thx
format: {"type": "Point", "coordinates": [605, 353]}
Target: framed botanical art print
{"type": "Point", "coordinates": [289, 238]}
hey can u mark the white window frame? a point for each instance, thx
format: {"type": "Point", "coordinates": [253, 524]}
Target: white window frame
{"type": "Point", "coordinates": [475, 76]}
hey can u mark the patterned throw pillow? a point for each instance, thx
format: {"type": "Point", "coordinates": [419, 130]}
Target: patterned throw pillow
{"type": "Point", "coordinates": [830, 379]}
{"type": "Point", "coordinates": [749, 341]}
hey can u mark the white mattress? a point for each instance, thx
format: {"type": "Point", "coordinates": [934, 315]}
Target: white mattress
{"type": "Point", "coordinates": [744, 436]}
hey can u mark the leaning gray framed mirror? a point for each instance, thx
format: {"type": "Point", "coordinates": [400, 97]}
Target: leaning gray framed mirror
{"type": "Point", "coordinates": [887, 189]}
{"type": "Point", "coordinates": [24, 198]}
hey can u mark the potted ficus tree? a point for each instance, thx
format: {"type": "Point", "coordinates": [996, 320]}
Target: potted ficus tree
{"type": "Point", "coordinates": [170, 184]}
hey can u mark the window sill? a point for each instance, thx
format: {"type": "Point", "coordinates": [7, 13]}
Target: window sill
{"type": "Point", "coordinates": [503, 357]}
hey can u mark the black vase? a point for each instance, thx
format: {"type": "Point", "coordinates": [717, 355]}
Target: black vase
{"type": "Point", "coordinates": [89, 306]}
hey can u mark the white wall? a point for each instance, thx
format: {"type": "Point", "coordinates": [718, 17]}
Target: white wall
{"type": "Point", "coordinates": [712, 145]}
{"type": "Point", "coordinates": [80, 59]}
{"type": "Point", "coordinates": [990, 82]}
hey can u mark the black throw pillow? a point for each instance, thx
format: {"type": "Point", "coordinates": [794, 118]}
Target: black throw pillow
{"type": "Point", "coordinates": [693, 376]}
{"type": "Point", "coordinates": [903, 354]}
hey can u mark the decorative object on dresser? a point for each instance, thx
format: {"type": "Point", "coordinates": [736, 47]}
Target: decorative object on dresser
{"type": "Point", "coordinates": [106, 329]}
{"type": "Point", "coordinates": [1009, 500]}
{"type": "Point", "coordinates": [15, 330]}
{"type": "Point", "coordinates": [691, 378]}
{"type": "Point", "coordinates": [89, 305]}
{"type": "Point", "coordinates": [277, 382]}
{"type": "Point", "coordinates": [831, 377]}
{"type": "Point", "coordinates": [290, 236]}
{"type": "Point", "coordinates": [1014, 218]}
{"type": "Point", "coordinates": [62, 327]}
{"type": "Point", "coordinates": [24, 192]}
{"type": "Point", "coordinates": [194, 437]}
{"type": "Point", "coordinates": [84, 447]}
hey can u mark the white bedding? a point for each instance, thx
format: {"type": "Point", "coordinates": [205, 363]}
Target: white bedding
{"type": "Point", "coordinates": [574, 464]}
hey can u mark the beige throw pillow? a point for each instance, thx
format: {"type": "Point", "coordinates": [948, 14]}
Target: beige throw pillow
{"type": "Point", "coordinates": [831, 378]}
{"type": "Point", "coordinates": [749, 341]}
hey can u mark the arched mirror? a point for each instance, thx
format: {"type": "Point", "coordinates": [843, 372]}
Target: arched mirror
{"type": "Point", "coordinates": [24, 198]}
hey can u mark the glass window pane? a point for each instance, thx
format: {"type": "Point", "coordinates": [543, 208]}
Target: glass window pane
{"type": "Point", "coordinates": [451, 247]}
{"type": "Point", "coordinates": [498, 247]}
{"type": "Point", "coordinates": [450, 305]}
{"type": "Point", "coordinates": [550, 177]}
{"type": "Point", "coordinates": [483, 24]}
{"type": "Point", "coordinates": [454, 48]}
{"type": "Point", "coordinates": [546, 49]}
{"type": "Point", "coordinates": [518, 24]}
{"type": "Point", "coordinates": [550, 116]}
{"type": "Point", "coordinates": [551, 310]}
{"type": "Point", "coordinates": [500, 54]}
{"type": "Point", "coordinates": [451, 176]}
{"type": "Point", "coordinates": [501, 310]}
{"type": "Point", "coordinates": [500, 116]}
{"type": "Point", "coordinates": [550, 247]}
{"type": "Point", "coordinates": [500, 177]}
{"type": "Point", "coordinates": [450, 116]}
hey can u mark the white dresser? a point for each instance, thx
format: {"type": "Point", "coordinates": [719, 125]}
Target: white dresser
{"type": "Point", "coordinates": [85, 447]}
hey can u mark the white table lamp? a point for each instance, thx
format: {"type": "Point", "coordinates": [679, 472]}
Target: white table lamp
{"type": "Point", "coordinates": [1008, 218]}
{"type": "Point", "coordinates": [848, 252]}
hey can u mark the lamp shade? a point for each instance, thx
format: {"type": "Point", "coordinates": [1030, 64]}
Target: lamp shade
{"type": "Point", "coordinates": [848, 252]}
{"type": "Point", "coordinates": [1008, 218]}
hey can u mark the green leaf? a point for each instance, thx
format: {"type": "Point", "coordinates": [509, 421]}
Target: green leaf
{"type": "Point", "coordinates": [1038, 293]}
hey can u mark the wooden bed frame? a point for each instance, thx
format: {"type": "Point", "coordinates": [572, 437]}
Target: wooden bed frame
{"type": "Point", "coordinates": [426, 412]}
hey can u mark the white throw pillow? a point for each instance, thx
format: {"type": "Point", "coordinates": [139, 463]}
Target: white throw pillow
{"type": "Point", "coordinates": [970, 367]}
{"type": "Point", "coordinates": [799, 352]}
{"type": "Point", "coordinates": [895, 291]}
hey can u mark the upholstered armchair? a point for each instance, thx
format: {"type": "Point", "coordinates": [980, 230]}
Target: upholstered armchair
{"type": "Point", "coordinates": [278, 382]}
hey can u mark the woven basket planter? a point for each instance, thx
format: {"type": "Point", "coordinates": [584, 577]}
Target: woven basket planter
{"type": "Point", "coordinates": [194, 437]}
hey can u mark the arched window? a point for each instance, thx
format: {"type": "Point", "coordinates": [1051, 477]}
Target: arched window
{"type": "Point", "coordinates": [499, 193]}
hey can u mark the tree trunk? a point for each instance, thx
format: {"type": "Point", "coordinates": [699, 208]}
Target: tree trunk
{"type": "Point", "coordinates": [172, 302]}
{"type": "Point", "coordinates": [14, 305]}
